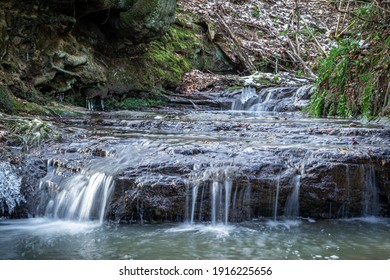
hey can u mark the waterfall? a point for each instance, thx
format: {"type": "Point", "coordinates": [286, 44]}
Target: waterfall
{"type": "Point", "coordinates": [220, 208]}
{"type": "Point", "coordinates": [228, 190]}
{"type": "Point", "coordinates": [194, 196]}
{"type": "Point", "coordinates": [266, 100]}
{"type": "Point", "coordinates": [370, 192]}
{"type": "Point", "coordinates": [219, 202]}
{"type": "Point", "coordinates": [214, 194]}
{"type": "Point", "coordinates": [277, 99]}
{"type": "Point", "coordinates": [291, 210]}
{"type": "Point", "coordinates": [90, 104]}
{"type": "Point", "coordinates": [84, 198]}
{"type": "Point", "coordinates": [247, 97]}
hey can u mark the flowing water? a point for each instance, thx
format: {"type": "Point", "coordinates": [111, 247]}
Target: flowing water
{"type": "Point", "coordinates": [254, 182]}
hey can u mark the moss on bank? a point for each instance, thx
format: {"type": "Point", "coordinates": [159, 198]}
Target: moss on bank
{"type": "Point", "coordinates": [30, 133]}
{"type": "Point", "coordinates": [7, 101]}
{"type": "Point", "coordinates": [133, 103]}
{"type": "Point", "coordinates": [169, 58]}
{"type": "Point", "coordinates": [16, 106]}
{"type": "Point", "coordinates": [354, 78]}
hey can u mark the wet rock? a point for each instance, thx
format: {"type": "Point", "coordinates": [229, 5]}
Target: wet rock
{"type": "Point", "coordinates": [158, 160]}
{"type": "Point", "coordinates": [33, 169]}
{"type": "Point", "coordinates": [147, 20]}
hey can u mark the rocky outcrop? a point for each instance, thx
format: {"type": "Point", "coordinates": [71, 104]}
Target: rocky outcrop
{"type": "Point", "coordinates": [273, 166]}
{"type": "Point", "coordinates": [136, 20]}
{"type": "Point", "coordinates": [75, 50]}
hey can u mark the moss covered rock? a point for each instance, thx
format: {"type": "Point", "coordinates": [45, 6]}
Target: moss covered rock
{"type": "Point", "coordinates": [147, 20]}
{"type": "Point", "coordinates": [7, 100]}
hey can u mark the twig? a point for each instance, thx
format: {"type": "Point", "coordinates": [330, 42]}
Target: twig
{"type": "Point", "coordinates": [338, 19]}
{"type": "Point", "coordinates": [296, 56]}
{"type": "Point", "coordinates": [254, 25]}
{"type": "Point", "coordinates": [248, 64]}
{"type": "Point", "coordinates": [315, 39]}
{"type": "Point", "coordinates": [297, 15]}
{"type": "Point", "coordinates": [194, 106]}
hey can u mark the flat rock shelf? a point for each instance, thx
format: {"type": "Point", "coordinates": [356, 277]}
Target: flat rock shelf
{"type": "Point", "coordinates": [252, 179]}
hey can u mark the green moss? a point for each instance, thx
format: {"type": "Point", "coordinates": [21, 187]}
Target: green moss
{"type": "Point", "coordinates": [354, 81]}
{"type": "Point", "coordinates": [184, 47]}
{"type": "Point", "coordinates": [132, 103]}
{"type": "Point", "coordinates": [31, 133]}
{"type": "Point", "coordinates": [354, 78]}
{"type": "Point", "coordinates": [343, 109]}
{"type": "Point", "coordinates": [317, 103]}
{"type": "Point", "coordinates": [367, 80]}
{"type": "Point", "coordinates": [30, 108]}
{"type": "Point", "coordinates": [75, 100]}
{"type": "Point", "coordinates": [33, 96]}
{"type": "Point", "coordinates": [139, 11]}
{"type": "Point", "coordinates": [168, 59]}
{"type": "Point", "coordinates": [12, 105]}
{"type": "Point", "coordinates": [7, 101]}
{"type": "Point", "coordinates": [235, 88]}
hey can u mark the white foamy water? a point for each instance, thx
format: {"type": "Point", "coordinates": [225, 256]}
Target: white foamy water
{"type": "Point", "coordinates": [84, 198]}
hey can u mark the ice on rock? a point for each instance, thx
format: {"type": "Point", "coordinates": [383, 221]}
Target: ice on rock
{"type": "Point", "coordinates": [10, 182]}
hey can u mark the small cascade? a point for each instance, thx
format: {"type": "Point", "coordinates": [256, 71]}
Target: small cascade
{"type": "Point", "coordinates": [220, 207]}
{"type": "Point", "coordinates": [370, 192]}
{"type": "Point", "coordinates": [291, 211]}
{"type": "Point", "coordinates": [84, 198]}
{"type": "Point", "coordinates": [220, 201]}
{"type": "Point", "coordinates": [90, 104]}
{"type": "Point", "coordinates": [214, 194]}
{"type": "Point", "coordinates": [276, 99]}
{"type": "Point", "coordinates": [95, 104]}
{"type": "Point", "coordinates": [302, 96]}
{"type": "Point", "coordinates": [343, 211]}
{"type": "Point", "coordinates": [247, 97]}
{"type": "Point", "coordinates": [267, 99]}
{"type": "Point", "coordinates": [215, 199]}
{"type": "Point", "coordinates": [228, 190]}
{"type": "Point", "coordinates": [61, 96]}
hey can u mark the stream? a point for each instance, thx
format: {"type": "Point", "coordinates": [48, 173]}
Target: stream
{"type": "Point", "coordinates": [244, 176]}
{"type": "Point", "coordinates": [336, 239]}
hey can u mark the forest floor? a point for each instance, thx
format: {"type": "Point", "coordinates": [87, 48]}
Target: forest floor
{"type": "Point", "coordinates": [282, 34]}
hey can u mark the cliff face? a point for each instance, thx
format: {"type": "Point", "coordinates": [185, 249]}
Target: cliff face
{"type": "Point", "coordinates": [76, 50]}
